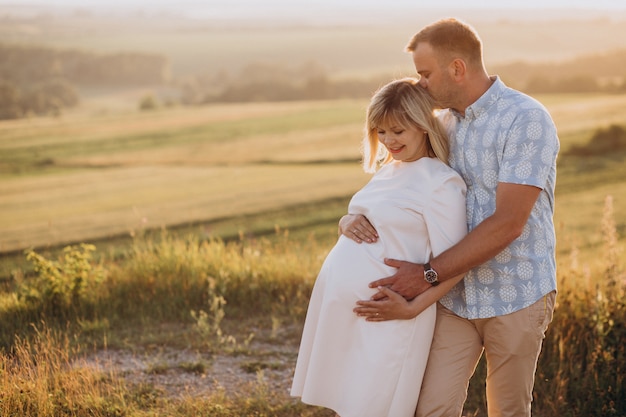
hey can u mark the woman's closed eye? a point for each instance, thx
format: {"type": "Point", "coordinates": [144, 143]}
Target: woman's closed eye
{"type": "Point", "coordinates": [395, 132]}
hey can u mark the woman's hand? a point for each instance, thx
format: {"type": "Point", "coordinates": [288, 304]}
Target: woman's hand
{"type": "Point", "coordinates": [357, 228]}
{"type": "Point", "coordinates": [393, 307]}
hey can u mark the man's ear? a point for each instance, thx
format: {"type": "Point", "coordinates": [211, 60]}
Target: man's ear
{"type": "Point", "coordinates": [457, 69]}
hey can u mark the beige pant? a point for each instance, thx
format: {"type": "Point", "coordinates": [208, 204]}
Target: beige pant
{"type": "Point", "coordinates": [511, 344]}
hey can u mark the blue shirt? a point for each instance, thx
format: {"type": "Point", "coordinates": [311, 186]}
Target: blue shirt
{"type": "Point", "coordinates": [505, 136]}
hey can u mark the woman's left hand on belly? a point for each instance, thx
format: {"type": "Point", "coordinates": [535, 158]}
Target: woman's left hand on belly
{"type": "Point", "coordinates": [358, 228]}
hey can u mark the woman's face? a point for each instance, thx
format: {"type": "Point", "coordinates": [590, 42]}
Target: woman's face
{"type": "Point", "coordinates": [403, 143]}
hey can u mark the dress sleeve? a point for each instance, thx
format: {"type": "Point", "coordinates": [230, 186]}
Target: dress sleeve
{"type": "Point", "coordinates": [445, 215]}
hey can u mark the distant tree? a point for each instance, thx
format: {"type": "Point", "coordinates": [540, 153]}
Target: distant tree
{"type": "Point", "coordinates": [49, 97]}
{"type": "Point", "coordinates": [191, 92]}
{"type": "Point", "coordinates": [609, 140]}
{"type": "Point", "coordinates": [318, 87]}
{"type": "Point", "coordinates": [62, 91]}
{"type": "Point", "coordinates": [602, 142]}
{"type": "Point", "coordinates": [10, 104]}
{"type": "Point", "coordinates": [573, 84]}
{"type": "Point", "coordinates": [148, 102]}
{"type": "Point", "coordinates": [577, 84]}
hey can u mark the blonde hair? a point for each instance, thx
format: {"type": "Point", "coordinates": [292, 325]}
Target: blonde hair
{"type": "Point", "coordinates": [404, 103]}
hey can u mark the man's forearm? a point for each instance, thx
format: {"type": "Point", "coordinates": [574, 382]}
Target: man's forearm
{"type": "Point", "coordinates": [514, 204]}
{"type": "Point", "coordinates": [483, 243]}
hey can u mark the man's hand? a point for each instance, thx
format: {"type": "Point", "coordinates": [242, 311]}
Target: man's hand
{"type": "Point", "coordinates": [408, 281]}
{"type": "Point", "coordinates": [357, 228]}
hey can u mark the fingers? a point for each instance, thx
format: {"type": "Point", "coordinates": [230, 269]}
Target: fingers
{"type": "Point", "coordinates": [373, 313]}
{"type": "Point", "coordinates": [377, 310]}
{"type": "Point", "coordinates": [358, 228]}
{"type": "Point", "coordinates": [383, 282]}
{"type": "Point", "coordinates": [378, 296]}
{"type": "Point", "coordinates": [394, 262]}
{"type": "Point", "coordinates": [364, 230]}
{"type": "Point", "coordinates": [388, 292]}
{"type": "Point", "coordinates": [392, 307]}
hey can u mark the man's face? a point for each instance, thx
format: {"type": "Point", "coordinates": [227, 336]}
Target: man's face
{"type": "Point", "coordinates": [434, 75]}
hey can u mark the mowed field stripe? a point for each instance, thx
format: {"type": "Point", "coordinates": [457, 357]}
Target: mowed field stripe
{"type": "Point", "coordinates": [87, 205]}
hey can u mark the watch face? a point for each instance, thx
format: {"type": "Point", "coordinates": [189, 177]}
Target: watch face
{"type": "Point", "coordinates": [430, 276]}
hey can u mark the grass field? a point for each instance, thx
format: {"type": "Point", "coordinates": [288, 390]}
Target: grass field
{"type": "Point", "coordinates": [69, 180]}
{"type": "Point", "coordinates": [89, 176]}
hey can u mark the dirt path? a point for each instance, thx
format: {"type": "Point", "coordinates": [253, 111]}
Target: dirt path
{"type": "Point", "coordinates": [186, 372]}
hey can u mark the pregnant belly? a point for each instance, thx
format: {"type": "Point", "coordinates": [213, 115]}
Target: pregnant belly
{"type": "Point", "coordinates": [350, 267]}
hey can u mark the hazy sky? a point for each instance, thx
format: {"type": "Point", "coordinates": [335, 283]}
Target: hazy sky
{"type": "Point", "coordinates": [329, 11]}
{"type": "Point", "coordinates": [474, 4]}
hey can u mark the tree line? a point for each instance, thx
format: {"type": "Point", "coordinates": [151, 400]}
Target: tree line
{"type": "Point", "coordinates": [584, 74]}
{"type": "Point", "coordinates": [40, 80]}
{"type": "Point", "coordinates": [278, 82]}
{"type": "Point", "coordinates": [275, 82]}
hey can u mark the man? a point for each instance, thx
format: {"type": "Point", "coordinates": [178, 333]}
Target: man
{"type": "Point", "coordinates": [504, 144]}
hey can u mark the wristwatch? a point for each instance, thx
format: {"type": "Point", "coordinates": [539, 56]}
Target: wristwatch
{"type": "Point", "coordinates": [430, 275]}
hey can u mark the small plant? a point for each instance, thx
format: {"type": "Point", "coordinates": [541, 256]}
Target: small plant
{"type": "Point", "coordinates": [253, 367]}
{"type": "Point", "coordinates": [60, 287]}
{"type": "Point", "coordinates": [208, 324]}
{"type": "Point", "coordinates": [198, 368]}
{"type": "Point", "coordinates": [158, 368]}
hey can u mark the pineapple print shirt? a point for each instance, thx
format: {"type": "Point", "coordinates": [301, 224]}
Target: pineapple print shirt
{"type": "Point", "coordinates": [505, 136]}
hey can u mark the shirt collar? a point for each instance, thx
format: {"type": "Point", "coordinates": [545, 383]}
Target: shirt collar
{"type": "Point", "coordinates": [480, 106]}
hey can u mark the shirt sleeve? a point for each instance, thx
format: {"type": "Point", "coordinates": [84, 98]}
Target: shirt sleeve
{"type": "Point", "coordinates": [530, 149]}
{"type": "Point", "coordinates": [445, 215]}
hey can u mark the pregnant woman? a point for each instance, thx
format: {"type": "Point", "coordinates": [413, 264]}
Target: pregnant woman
{"type": "Point", "coordinates": [416, 203]}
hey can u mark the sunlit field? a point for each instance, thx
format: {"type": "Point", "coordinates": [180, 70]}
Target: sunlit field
{"type": "Point", "coordinates": [83, 177]}
{"type": "Point", "coordinates": [63, 183]}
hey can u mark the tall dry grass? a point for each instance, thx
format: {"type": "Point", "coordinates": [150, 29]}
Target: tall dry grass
{"type": "Point", "coordinates": [583, 365]}
{"type": "Point", "coordinates": [40, 378]}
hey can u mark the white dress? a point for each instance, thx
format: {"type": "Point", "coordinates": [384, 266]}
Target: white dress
{"type": "Point", "coordinates": [359, 368]}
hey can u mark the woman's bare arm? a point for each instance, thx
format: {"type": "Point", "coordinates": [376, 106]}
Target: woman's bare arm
{"type": "Point", "coordinates": [395, 307]}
